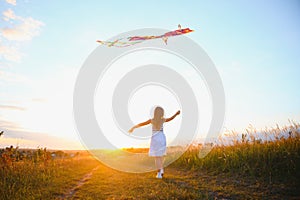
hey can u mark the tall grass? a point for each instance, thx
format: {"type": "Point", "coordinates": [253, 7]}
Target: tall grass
{"type": "Point", "coordinates": [271, 154]}
{"type": "Point", "coordinates": [35, 175]}
{"type": "Point", "coordinates": [275, 157]}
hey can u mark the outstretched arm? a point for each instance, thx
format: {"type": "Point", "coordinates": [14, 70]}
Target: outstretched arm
{"type": "Point", "coordinates": [171, 118]}
{"type": "Point", "coordinates": [139, 125]}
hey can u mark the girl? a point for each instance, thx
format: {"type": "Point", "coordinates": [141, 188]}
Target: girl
{"type": "Point", "coordinates": [158, 139]}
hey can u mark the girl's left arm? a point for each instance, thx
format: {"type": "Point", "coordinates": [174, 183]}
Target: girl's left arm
{"type": "Point", "coordinates": [139, 125]}
{"type": "Point", "coordinates": [171, 118]}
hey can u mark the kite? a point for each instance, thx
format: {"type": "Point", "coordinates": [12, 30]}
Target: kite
{"type": "Point", "coordinates": [129, 41]}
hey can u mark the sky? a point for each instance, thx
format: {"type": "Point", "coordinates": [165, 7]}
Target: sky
{"type": "Point", "coordinates": [43, 44]}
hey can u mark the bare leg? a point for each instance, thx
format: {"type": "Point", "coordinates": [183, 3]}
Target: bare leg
{"type": "Point", "coordinates": [162, 165]}
{"type": "Point", "coordinates": [159, 166]}
{"type": "Point", "coordinates": [159, 162]}
{"type": "Point", "coordinates": [162, 162]}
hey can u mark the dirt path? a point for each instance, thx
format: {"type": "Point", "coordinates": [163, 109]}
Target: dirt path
{"type": "Point", "coordinates": [105, 183]}
{"type": "Point", "coordinates": [69, 194]}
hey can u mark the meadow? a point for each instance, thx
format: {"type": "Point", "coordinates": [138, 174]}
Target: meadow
{"type": "Point", "coordinates": [252, 165]}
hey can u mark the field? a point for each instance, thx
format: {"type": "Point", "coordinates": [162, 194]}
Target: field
{"type": "Point", "coordinates": [250, 167]}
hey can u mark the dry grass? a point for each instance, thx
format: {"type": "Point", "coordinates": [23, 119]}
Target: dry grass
{"type": "Point", "coordinates": [270, 159]}
{"type": "Point", "coordinates": [42, 180]}
{"type": "Point", "coordinates": [248, 167]}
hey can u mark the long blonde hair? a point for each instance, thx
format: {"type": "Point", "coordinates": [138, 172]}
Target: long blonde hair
{"type": "Point", "coordinates": [158, 118]}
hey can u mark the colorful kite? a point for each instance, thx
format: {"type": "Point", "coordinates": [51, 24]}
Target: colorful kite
{"type": "Point", "coordinates": [129, 41]}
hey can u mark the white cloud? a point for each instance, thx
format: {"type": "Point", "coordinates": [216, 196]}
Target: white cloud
{"type": "Point", "coordinates": [26, 30]}
{"type": "Point", "coordinates": [19, 29]}
{"type": "Point", "coordinates": [10, 53]}
{"type": "Point", "coordinates": [12, 2]}
{"type": "Point", "coordinates": [9, 15]}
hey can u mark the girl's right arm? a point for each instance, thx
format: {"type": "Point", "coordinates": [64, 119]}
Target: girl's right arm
{"type": "Point", "coordinates": [139, 125]}
{"type": "Point", "coordinates": [171, 118]}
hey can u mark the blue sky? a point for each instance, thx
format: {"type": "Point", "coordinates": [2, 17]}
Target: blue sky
{"type": "Point", "coordinates": [254, 45]}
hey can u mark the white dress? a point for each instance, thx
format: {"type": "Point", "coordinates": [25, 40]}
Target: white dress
{"type": "Point", "coordinates": [158, 144]}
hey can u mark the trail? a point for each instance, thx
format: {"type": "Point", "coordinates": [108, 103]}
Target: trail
{"type": "Point", "coordinates": [105, 183]}
{"type": "Point", "coordinates": [69, 194]}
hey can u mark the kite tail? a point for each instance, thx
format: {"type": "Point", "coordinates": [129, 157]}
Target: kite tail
{"type": "Point", "coordinates": [101, 42]}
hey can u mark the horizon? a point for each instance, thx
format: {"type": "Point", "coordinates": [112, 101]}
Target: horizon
{"type": "Point", "coordinates": [226, 138]}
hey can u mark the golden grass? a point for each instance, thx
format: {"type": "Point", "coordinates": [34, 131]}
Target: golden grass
{"type": "Point", "coordinates": [40, 180]}
{"type": "Point", "coordinates": [278, 158]}
{"type": "Point", "coordinates": [248, 168]}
